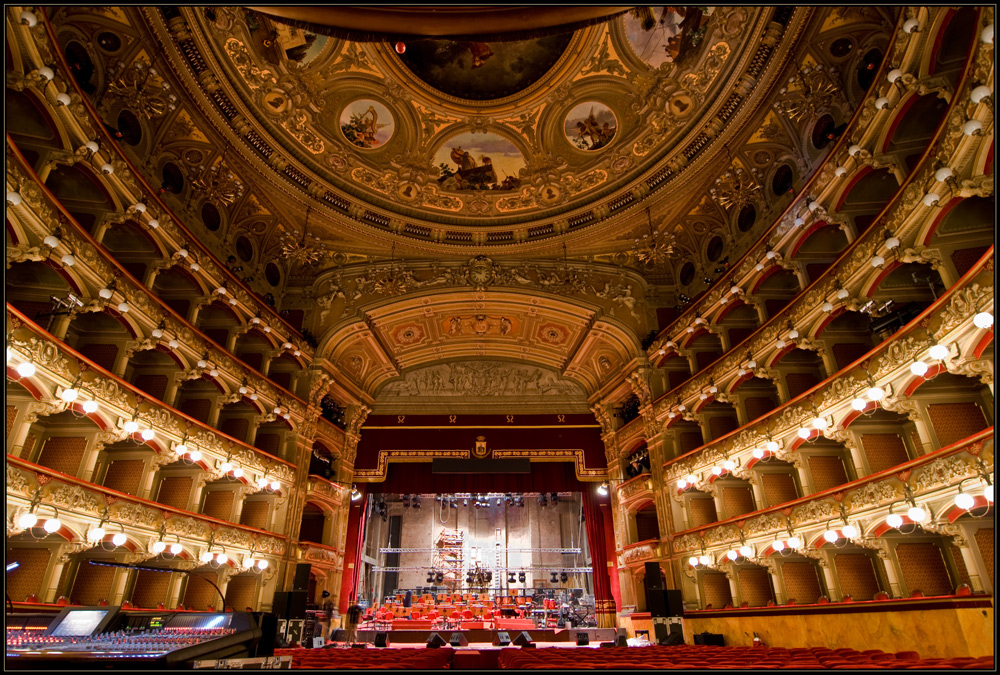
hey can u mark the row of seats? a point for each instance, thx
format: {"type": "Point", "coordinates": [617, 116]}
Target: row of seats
{"type": "Point", "coordinates": [712, 657]}
{"type": "Point", "coordinates": [350, 659]}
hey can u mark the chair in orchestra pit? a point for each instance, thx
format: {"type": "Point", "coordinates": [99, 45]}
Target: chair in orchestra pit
{"type": "Point", "coordinates": [454, 619]}
{"type": "Point", "coordinates": [387, 619]}
{"type": "Point", "coordinates": [467, 615]}
{"type": "Point", "coordinates": [434, 618]}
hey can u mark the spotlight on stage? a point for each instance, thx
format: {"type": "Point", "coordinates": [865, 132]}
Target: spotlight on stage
{"type": "Point", "coordinates": [510, 578]}
{"type": "Point", "coordinates": [554, 497]}
{"type": "Point", "coordinates": [439, 577]}
{"type": "Point", "coordinates": [563, 577]}
{"type": "Point", "coordinates": [521, 577]}
{"type": "Point", "coordinates": [416, 501]}
{"type": "Point", "coordinates": [430, 577]}
{"type": "Point", "coordinates": [555, 578]}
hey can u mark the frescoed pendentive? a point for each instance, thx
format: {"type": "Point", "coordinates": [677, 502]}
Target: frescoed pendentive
{"type": "Point", "coordinates": [673, 35]}
{"type": "Point", "coordinates": [471, 161]}
{"type": "Point", "coordinates": [591, 126]}
{"type": "Point", "coordinates": [367, 124]}
{"type": "Point", "coordinates": [298, 44]}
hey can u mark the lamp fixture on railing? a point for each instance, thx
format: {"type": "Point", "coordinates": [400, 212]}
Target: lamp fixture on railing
{"type": "Point", "coordinates": [652, 249]}
{"type": "Point", "coordinates": [844, 534]}
{"type": "Point", "coordinates": [28, 520]}
{"type": "Point", "coordinates": [967, 502]}
{"type": "Point", "coordinates": [305, 252]}
{"type": "Point", "coordinates": [744, 551]}
{"type": "Point", "coordinates": [736, 187]}
{"type": "Point", "coordinates": [701, 561]}
{"type": "Point", "coordinates": [810, 92]}
{"type": "Point", "coordinates": [139, 87]}
{"type": "Point", "coordinates": [687, 482]}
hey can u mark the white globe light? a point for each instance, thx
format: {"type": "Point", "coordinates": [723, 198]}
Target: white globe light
{"type": "Point", "coordinates": [195, 456]}
{"type": "Point", "coordinates": [51, 241]}
{"type": "Point", "coordinates": [820, 423]}
{"type": "Point", "coordinates": [894, 74]}
{"type": "Point", "coordinates": [705, 560]}
{"type": "Point", "coordinates": [222, 558]}
{"type": "Point", "coordinates": [794, 542]}
{"type": "Point", "coordinates": [881, 103]}
{"type": "Point", "coordinates": [173, 344]}
{"type": "Point", "coordinates": [148, 434]}
{"type": "Point", "coordinates": [62, 98]}
{"type": "Point", "coordinates": [46, 73]}
{"type": "Point", "coordinates": [918, 368]}
{"type": "Point", "coordinates": [758, 453]}
{"type": "Point", "coordinates": [107, 169]}
{"type": "Point", "coordinates": [275, 485]}
{"type": "Point", "coordinates": [799, 221]}
{"type": "Point", "coordinates": [221, 290]}
{"type": "Point", "coordinates": [938, 352]}
{"type": "Point", "coordinates": [202, 363]}
{"type": "Point", "coordinates": [931, 198]}
{"type": "Point", "coordinates": [123, 307]}
{"type": "Point", "coordinates": [877, 260]}
{"type": "Point", "coordinates": [206, 557]}
{"type": "Point", "coordinates": [92, 146]}
{"type": "Point", "coordinates": [827, 307]}
{"type": "Point", "coordinates": [916, 514]}
{"type": "Point", "coordinates": [691, 478]}
{"type": "Point", "coordinates": [262, 482]}
{"type": "Point", "coordinates": [732, 555]}
{"type": "Point", "coordinates": [831, 536]}
{"type": "Point", "coordinates": [262, 564]}
{"type": "Point", "coordinates": [979, 93]}
{"type": "Point", "coordinates": [814, 206]}
{"type": "Point", "coordinates": [742, 371]}
{"type": "Point", "coordinates": [157, 333]}
{"type": "Point", "coordinates": [854, 150]}
{"type": "Point", "coordinates": [693, 561]}
{"type": "Point", "coordinates": [717, 470]}
{"type": "Point", "coordinates": [27, 520]}
{"type": "Point", "coordinates": [52, 525]}
{"type": "Point", "coordinates": [226, 467]}
{"type": "Point", "coordinates": [68, 260]}
{"type": "Point", "coordinates": [69, 395]}
{"type": "Point", "coordinates": [793, 333]}
{"type": "Point", "coordinates": [859, 404]}
{"type": "Point", "coordinates": [90, 407]}
{"type": "Point", "coordinates": [840, 171]}
{"type": "Point", "coordinates": [911, 25]}
{"type": "Point", "coordinates": [746, 551]}
{"type": "Point", "coordinates": [139, 207]}
{"type": "Point", "coordinates": [195, 267]}
{"type": "Point", "coordinates": [13, 198]}
{"type": "Point", "coordinates": [153, 223]}
{"type": "Point", "coordinates": [729, 465]}
{"type": "Point", "coordinates": [26, 369]}
{"type": "Point", "coordinates": [176, 549]}
{"type": "Point", "coordinates": [892, 243]}
{"type": "Point", "coordinates": [843, 293]}
{"type": "Point", "coordinates": [988, 493]}
{"type": "Point", "coordinates": [772, 446]}
{"type": "Point", "coordinates": [671, 415]}
{"type": "Point", "coordinates": [96, 534]}
{"type": "Point", "coordinates": [894, 520]}
{"type": "Point", "coordinates": [681, 484]}
{"type": "Point", "coordinates": [849, 531]}
{"type": "Point", "coordinates": [181, 449]}
{"type": "Point", "coordinates": [779, 546]}
{"type": "Point", "coordinates": [983, 320]}
{"type": "Point", "coordinates": [159, 547]}
{"type": "Point", "coordinates": [182, 252]}
{"type": "Point", "coordinates": [735, 290]}
{"type": "Point", "coordinates": [876, 393]}
{"type": "Point", "coordinates": [759, 267]}
{"type": "Point", "coordinates": [28, 18]}
{"type": "Point", "coordinates": [237, 472]}
{"type": "Point", "coordinates": [131, 427]}
{"type": "Point", "coordinates": [751, 364]}
{"type": "Point", "coordinates": [943, 174]}
{"type": "Point", "coordinates": [288, 345]}
{"type": "Point", "coordinates": [267, 329]}
{"type": "Point", "coordinates": [804, 433]}
{"type": "Point", "coordinates": [987, 34]}
{"type": "Point", "coordinates": [972, 127]}
{"type": "Point", "coordinates": [964, 501]}
{"type": "Point", "coordinates": [780, 343]}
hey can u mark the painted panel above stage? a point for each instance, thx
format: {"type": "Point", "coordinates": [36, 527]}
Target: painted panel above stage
{"type": "Point", "coordinates": [476, 438]}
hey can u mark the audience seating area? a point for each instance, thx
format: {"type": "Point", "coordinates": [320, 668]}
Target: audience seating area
{"type": "Point", "coordinates": [379, 659]}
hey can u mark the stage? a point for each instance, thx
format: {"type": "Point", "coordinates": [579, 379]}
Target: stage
{"type": "Point", "coordinates": [488, 637]}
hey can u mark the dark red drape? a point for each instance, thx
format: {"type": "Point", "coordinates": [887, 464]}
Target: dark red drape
{"type": "Point", "coordinates": [352, 554]}
{"type": "Point", "coordinates": [604, 602]}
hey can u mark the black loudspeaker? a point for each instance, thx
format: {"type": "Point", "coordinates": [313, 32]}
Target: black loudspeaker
{"type": "Point", "coordinates": [338, 635]}
{"type": "Point", "coordinates": [656, 603]}
{"type": "Point", "coordinates": [435, 641]}
{"type": "Point", "coordinates": [621, 639]}
{"type": "Point", "coordinates": [582, 639]}
{"type": "Point", "coordinates": [268, 623]}
{"type": "Point", "coordinates": [297, 604]}
{"type": "Point", "coordinates": [501, 639]}
{"type": "Point", "coordinates": [661, 631]}
{"type": "Point", "coordinates": [301, 582]}
{"type": "Point", "coordinates": [653, 579]}
{"type": "Point", "coordinates": [706, 638]}
{"type": "Point", "coordinates": [674, 602]}
{"type": "Point", "coordinates": [524, 640]}
{"type": "Point", "coordinates": [458, 640]}
{"type": "Point", "coordinates": [381, 639]}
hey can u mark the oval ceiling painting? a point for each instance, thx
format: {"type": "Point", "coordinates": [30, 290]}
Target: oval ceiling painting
{"type": "Point", "coordinates": [591, 126]}
{"type": "Point", "coordinates": [479, 162]}
{"type": "Point", "coordinates": [366, 123]}
{"type": "Point", "coordinates": [668, 34]}
{"type": "Point", "coordinates": [481, 71]}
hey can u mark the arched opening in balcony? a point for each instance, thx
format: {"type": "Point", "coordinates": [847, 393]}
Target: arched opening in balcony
{"type": "Point", "coordinates": [177, 288]}
{"type": "Point", "coordinates": [237, 418]}
{"type": "Point", "coordinates": [152, 371]}
{"type": "Point", "coordinates": [886, 439]}
{"type": "Point", "coordinates": [867, 196]}
{"type": "Point", "coordinates": [777, 289]}
{"type": "Point", "coordinates": [847, 337]}
{"type": "Point", "coordinates": [757, 395]}
{"type": "Point", "coordinates": [964, 232]}
{"type": "Point", "coordinates": [915, 126]}
{"type": "Point", "coordinates": [198, 398]}
{"type": "Point", "coordinates": [31, 128]}
{"type": "Point", "coordinates": [956, 406]}
{"type": "Point", "coordinates": [313, 523]}
{"type": "Point", "coordinates": [217, 321]}
{"type": "Point", "coordinates": [801, 369]}
{"type": "Point", "coordinates": [739, 322]}
{"type": "Point", "coordinates": [252, 348]}
{"type": "Point", "coordinates": [820, 246]}
{"type": "Point", "coordinates": [647, 524]}
{"type": "Point", "coordinates": [133, 248]}
{"type": "Point", "coordinates": [100, 337]}
{"type": "Point", "coordinates": [78, 189]}
{"type": "Point", "coordinates": [31, 286]}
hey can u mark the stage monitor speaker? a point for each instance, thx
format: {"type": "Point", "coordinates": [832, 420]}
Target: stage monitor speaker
{"type": "Point", "coordinates": [607, 644]}
{"type": "Point", "coordinates": [653, 579]}
{"type": "Point", "coordinates": [707, 638]}
{"type": "Point", "coordinates": [381, 639]}
{"type": "Point", "coordinates": [458, 640]}
{"type": "Point", "coordinates": [674, 602]}
{"type": "Point", "coordinates": [338, 635]}
{"type": "Point", "coordinates": [435, 641]}
{"type": "Point", "coordinates": [301, 582]}
{"type": "Point", "coordinates": [501, 639]}
{"type": "Point", "coordinates": [582, 639]}
{"type": "Point", "coordinates": [359, 645]}
{"type": "Point", "coordinates": [621, 640]}
{"type": "Point", "coordinates": [524, 640]}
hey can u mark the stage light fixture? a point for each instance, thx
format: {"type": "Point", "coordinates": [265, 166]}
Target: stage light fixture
{"type": "Point", "coordinates": [430, 577]}
{"type": "Point", "coordinates": [563, 577]}
{"type": "Point", "coordinates": [510, 578]}
{"type": "Point", "coordinates": [555, 578]}
{"type": "Point", "coordinates": [521, 577]}
{"type": "Point", "coordinates": [439, 577]}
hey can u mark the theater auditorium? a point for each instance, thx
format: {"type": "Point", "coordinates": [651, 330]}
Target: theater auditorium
{"type": "Point", "coordinates": [499, 337]}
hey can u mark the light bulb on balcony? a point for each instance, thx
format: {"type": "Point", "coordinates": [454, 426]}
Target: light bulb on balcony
{"type": "Point", "coordinates": [804, 433]}
{"type": "Point", "coordinates": [181, 449]}
{"type": "Point", "coordinates": [46, 73]}
{"type": "Point", "coordinates": [266, 329]}
{"type": "Point", "coordinates": [139, 207]}
{"type": "Point", "coordinates": [123, 307]}
{"type": "Point", "coordinates": [153, 223]}
{"type": "Point", "coordinates": [894, 75]}
{"type": "Point", "coordinates": [911, 26]}
{"type": "Point", "coordinates": [988, 493]}
{"type": "Point", "coordinates": [107, 169]}
{"type": "Point", "coordinates": [729, 465]}
{"type": "Point", "coordinates": [671, 415]}
{"type": "Point", "coordinates": [814, 206]}
{"type": "Point", "coordinates": [262, 482]}
{"type": "Point", "coordinates": [780, 343]}
{"type": "Point", "coordinates": [262, 564]}
{"type": "Point", "coordinates": [831, 536]}
{"type": "Point", "coordinates": [793, 333]}
{"type": "Point", "coordinates": [979, 93]}
{"type": "Point", "coordinates": [51, 241]}
{"type": "Point", "coordinates": [157, 333]}
{"type": "Point", "coordinates": [931, 199]}
{"type": "Point", "coordinates": [237, 472]}
{"type": "Point", "coordinates": [682, 484]}
{"type": "Point", "coordinates": [854, 150]}
{"type": "Point", "coordinates": [233, 301]}
{"type": "Point", "coordinates": [703, 396]}
{"type": "Point", "coordinates": [840, 171]}
{"type": "Point", "coordinates": [799, 221]}
{"type": "Point", "coordinates": [214, 372]}
{"type": "Point", "coordinates": [131, 427]}
{"type": "Point", "coordinates": [987, 34]}
{"type": "Point", "coordinates": [820, 423]}
{"type": "Point", "coordinates": [26, 369]}
{"type": "Point", "coordinates": [876, 393]}
{"type": "Point", "coordinates": [983, 320]}
{"type": "Point", "coordinates": [173, 344]}
{"type": "Point", "coordinates": [751, 364]}
{"type": "Point", "coordinates": [221, 290]}
{"type": "Point", "coordinates": [96, 534]}
{"type": "Point", "coordinates": [881, 103]}
{"type": "Point", "coordinates": [759, 267]}
{"type": "Point", "coordinates": [746, 551]}
{"type": "Point", "coordinates": [742, 371]}
{"type": "Point", "coordinates": [69, 395]}
{"type": "Point", "coordinates": [964, 501]}
{"type": "Point", "coordinates": [195, 455]}
{"type": "Point", "coordinates": [253, 396]}
{"type": "Point", "coordinates": [693, 561]}
{"type": "Point", "coordinates": [778, 546]}
{"type": "Point", "coordinates": [772, 446]}
{"type": "Point", "coordinates": [717, 470]}
{"type": "Point", "coordinates": [758, 453]}
{"type": "Point", "coordinates": [943, 174]}
{"type": "Point", "coordinates": [859, 404]}
{"type": "Point", "coordinates": [691, 479]}
{"type": "Point", "coordinates": [275, 486]}
{"type": "Point", "coordinates": [735, 290]}
{"type": "Point", "coordinates": [27, 521]}
{"type": "Point", "coordinates": [288, 345]}
{"type": "Point", "coordinates": [972, 127]}
{"type": "Point", "coordinates": [892, 243]}
{"type": "Point", "coordinates": [827, 307]}
{"type": "Point", "coordinates": [877, 260]}
{"type": "Point", "coordinates": [705, 560]}
{"type": "Point", "coordinates": [159, 547]}
{"type": "Point", "coordinates": [849, 531]}
{"type": "Point", "coordinates": [182, 252]}
{"type": "Point", "coordinates": [226, 467]}
{"type": "Point", "coordinates": [52, 525]}
{"type": "Point", "coordinates": [916, 514]}
{"type": "Point", "coordinates": [794, 542]}
{"type": "Point", "coordinates": [682, 407]}
{"type": "Point", "coordinates": [222, 558]}
{"type": "Point", "coordinates": [842, 294]}
{"type": "Point", "coordinates": [732, 554]}
{"type": "Point", "coordinates": [62, 98]}
{"type": "Point", "coordinates": [14, 198]}
{"type": "Point", "coordinates": [202, 363]}
{"type": "Point", "coordinates": [195, 267]}
{"type": "Point", "coordinates": [28, 19]}
{"type": "Point", "coordinates": [938, 352]}
{"type": "Point", "coordinates": [90, 407]}
{"type": "Point", "coordinates": [148, 434]}
{"type": "Point", "coordinates": [176, 549]}
{"type": "Point", "coordinates": [206, 557]}
{"type": "Point", "coordinates": [91, 146]}
{"type": "Point", "coordinates": [918, 368]}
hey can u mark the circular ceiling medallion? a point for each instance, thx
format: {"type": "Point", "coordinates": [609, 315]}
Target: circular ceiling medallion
{"type": "Point", "coordinates": [482, 71]}
{"type": "Point", "coordinates": [366, 123]}
{"type": "Point", "coordinates": [591, 126]}
{"type": "Point", "coordinates": [476, 161]}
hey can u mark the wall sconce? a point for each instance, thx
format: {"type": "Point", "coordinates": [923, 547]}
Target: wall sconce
{"type": "Point", "coordinates": [982, 94]}
{"type": "Point", "coordinates": [986, 35]}
{"type": "Point", "coordinates": [603, 489]}
{"type": "Point", "coordinates": [972, 127]}
{"type": "Point", "coordinates": [701, 561]}
{"type": "Point", "coordinates": [687, 482]}
{"type": "Point", "coordinates": [983, 320]}
{"type": "Point", "coordinates": [911, 26]}
{"type": "Point", "coordinates": [966, 502]}
{"type": "Point", "coordinates": [28, 19]}
{"type": "Point", "coordinates": [29, 519]}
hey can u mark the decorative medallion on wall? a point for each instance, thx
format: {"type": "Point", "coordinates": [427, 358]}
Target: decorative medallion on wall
{"type": "Point", "coordinates": [275, 102]}
{"type": "Point", "coordinates": [367, 124]}
{"type": "Point", "coordinates": [471, 161]}
{"type": "Point", "coordinates": [675, 35]}
{"type": "Point", "coordinates": [590, 126]}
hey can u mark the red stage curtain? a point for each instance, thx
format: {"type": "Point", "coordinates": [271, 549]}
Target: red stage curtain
{"type": "Point", "coordinates": [604, 602]}
{"type": "Point", "coordinates": [352, 554]}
